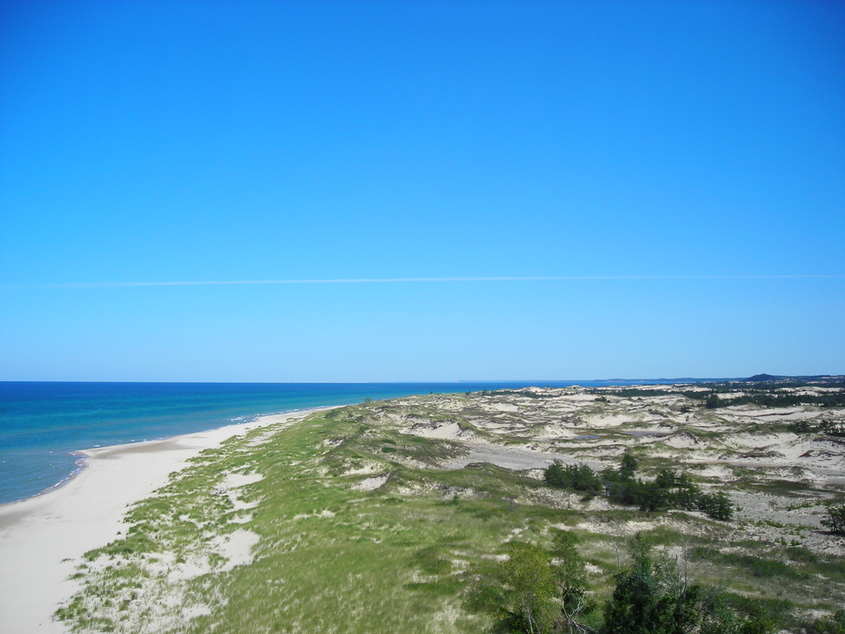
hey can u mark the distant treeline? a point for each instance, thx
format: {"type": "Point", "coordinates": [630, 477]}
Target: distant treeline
{"type": "Point", "coordinates": [720, 395]}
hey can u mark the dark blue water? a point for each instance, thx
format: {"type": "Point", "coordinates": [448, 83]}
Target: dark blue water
{"type": "Point", "coordinates": [42, 424]}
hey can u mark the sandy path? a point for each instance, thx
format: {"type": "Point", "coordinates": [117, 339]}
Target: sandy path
{"type": "Point", "coordinates": [515, 458]}
{"type": "Point", "coordinates": [42, 537]}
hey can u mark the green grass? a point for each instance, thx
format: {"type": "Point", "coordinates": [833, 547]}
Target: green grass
{"type": "Point", "coordinates": [377, 561]}
{"type": "Point", "coordinates": [335, 558]}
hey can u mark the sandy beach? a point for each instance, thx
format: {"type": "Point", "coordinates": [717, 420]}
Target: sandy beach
{"type": "Point", "coordinates": [42, 537]}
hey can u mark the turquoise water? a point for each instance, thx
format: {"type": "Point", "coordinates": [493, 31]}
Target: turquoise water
{"type": "Point", "coordinates": [42, 424]}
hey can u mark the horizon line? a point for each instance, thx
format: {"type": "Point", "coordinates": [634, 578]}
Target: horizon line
{"type": "Point", "coordinates": [401, 280]}
{"type": "Point", "coordinates": [534, 382]}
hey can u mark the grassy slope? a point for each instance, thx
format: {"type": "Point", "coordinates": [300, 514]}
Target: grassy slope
{"type": "Point", "coordinates": [333, 558]}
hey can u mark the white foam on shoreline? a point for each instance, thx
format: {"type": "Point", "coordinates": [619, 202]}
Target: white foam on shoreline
{"type": "Point", "coordinates": [42, 537]}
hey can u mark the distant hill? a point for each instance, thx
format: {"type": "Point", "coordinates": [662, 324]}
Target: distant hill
{"type": "Point", "coordinates": [823, 379]}
{"type": "Point", "coordinates": [759, 378]}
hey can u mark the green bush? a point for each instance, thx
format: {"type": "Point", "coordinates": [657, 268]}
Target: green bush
{"type": "Point", "coordinates": [717, 505]}
{"type": "Point", "coordinates": [651, 598]}
{"type": "Point", "coordinates": [629, 465]}
{"type": "Point", "coordinates": [835, 519]}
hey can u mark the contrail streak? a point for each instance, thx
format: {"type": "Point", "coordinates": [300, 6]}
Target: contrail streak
{"type": "Point", "coordinates": [406, 280]}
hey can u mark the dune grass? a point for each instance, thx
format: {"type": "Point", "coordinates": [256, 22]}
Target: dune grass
{"type": "Point", "coordinates": [357, 530]}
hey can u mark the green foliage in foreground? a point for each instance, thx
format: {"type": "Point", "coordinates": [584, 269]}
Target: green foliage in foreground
{"type": "Point", "coordinates": [539, 591]}
{"type": "Point", "coordinates": [652, 598]}
{"type": "Point", "coordinates": [535, 590]}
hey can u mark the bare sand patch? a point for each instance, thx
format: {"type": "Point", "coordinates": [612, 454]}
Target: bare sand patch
{"type": "Point", "coordinates": [371, 484]}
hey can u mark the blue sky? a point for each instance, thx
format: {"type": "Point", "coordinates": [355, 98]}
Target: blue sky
{"type": "Point", "coordinates": [666, 179]}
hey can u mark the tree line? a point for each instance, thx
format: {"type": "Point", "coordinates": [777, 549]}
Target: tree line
{"type": "Point", "coordinates": [725, 395]}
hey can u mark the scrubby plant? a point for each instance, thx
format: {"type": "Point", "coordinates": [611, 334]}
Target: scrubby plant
{"type": "Point", "coordinates": [834, 520]}
{"type": "Point", "coordinates": [717, 505]}
{"type": "Point", "coordinates": [669, 489]}
{"type": "Point", "coordinates": [629, 465]}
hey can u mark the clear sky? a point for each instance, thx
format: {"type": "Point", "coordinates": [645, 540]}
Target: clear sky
{"type": "Point", "coordinates": [662, 182]}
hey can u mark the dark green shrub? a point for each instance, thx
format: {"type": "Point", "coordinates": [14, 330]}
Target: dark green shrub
{"type": "Point", "coordinates": [651, 598]}
{"type": "Point", "coordinates": [712, 402]}
{"type": "Point", "coordinates": [717, 505]}
{"type": "Point", "coordinates": [834, 521]}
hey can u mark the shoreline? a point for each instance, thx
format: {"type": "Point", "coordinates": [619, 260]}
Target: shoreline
{"type": "Point", "coordinates": [82, 457]}
{"type": "Point", "coordinates": [43, 536]}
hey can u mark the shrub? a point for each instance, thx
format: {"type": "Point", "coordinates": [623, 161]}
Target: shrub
{"type": "Point", "coordinates": [835, 519]}
{"type": "Point", "coordinates": [717, 505]}
{"type": "Point", "coordinates": [666, 479]}
{"type": "Point", "coordinates": [570, 573]}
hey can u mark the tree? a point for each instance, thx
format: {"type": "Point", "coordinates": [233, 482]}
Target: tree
{"type": "Point", "coordinates": [666, 479]}
{"type": "Point", "coordinates": [570, 576]}
{"type": "Point", "coordinates": [651, 598]}
{"type": "Point", "coordinates": [653, 498]}
{"type": "Point", "coordinates": [529, 589]}
{"type": "Point", "coordinates": [629, 465]}
{"type": "Point", "coordinates": [536, 591]}
{"type": "Point", "coordinates": [555, 474]}
{"type": "Point", "coordinates": [686, 493]}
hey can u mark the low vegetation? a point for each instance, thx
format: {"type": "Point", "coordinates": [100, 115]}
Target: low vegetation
{"type": "Point", "coordinates": [450, 514]}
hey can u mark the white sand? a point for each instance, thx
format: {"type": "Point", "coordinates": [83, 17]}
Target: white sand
{"type": "Point", "coordinates": [40, 538]}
